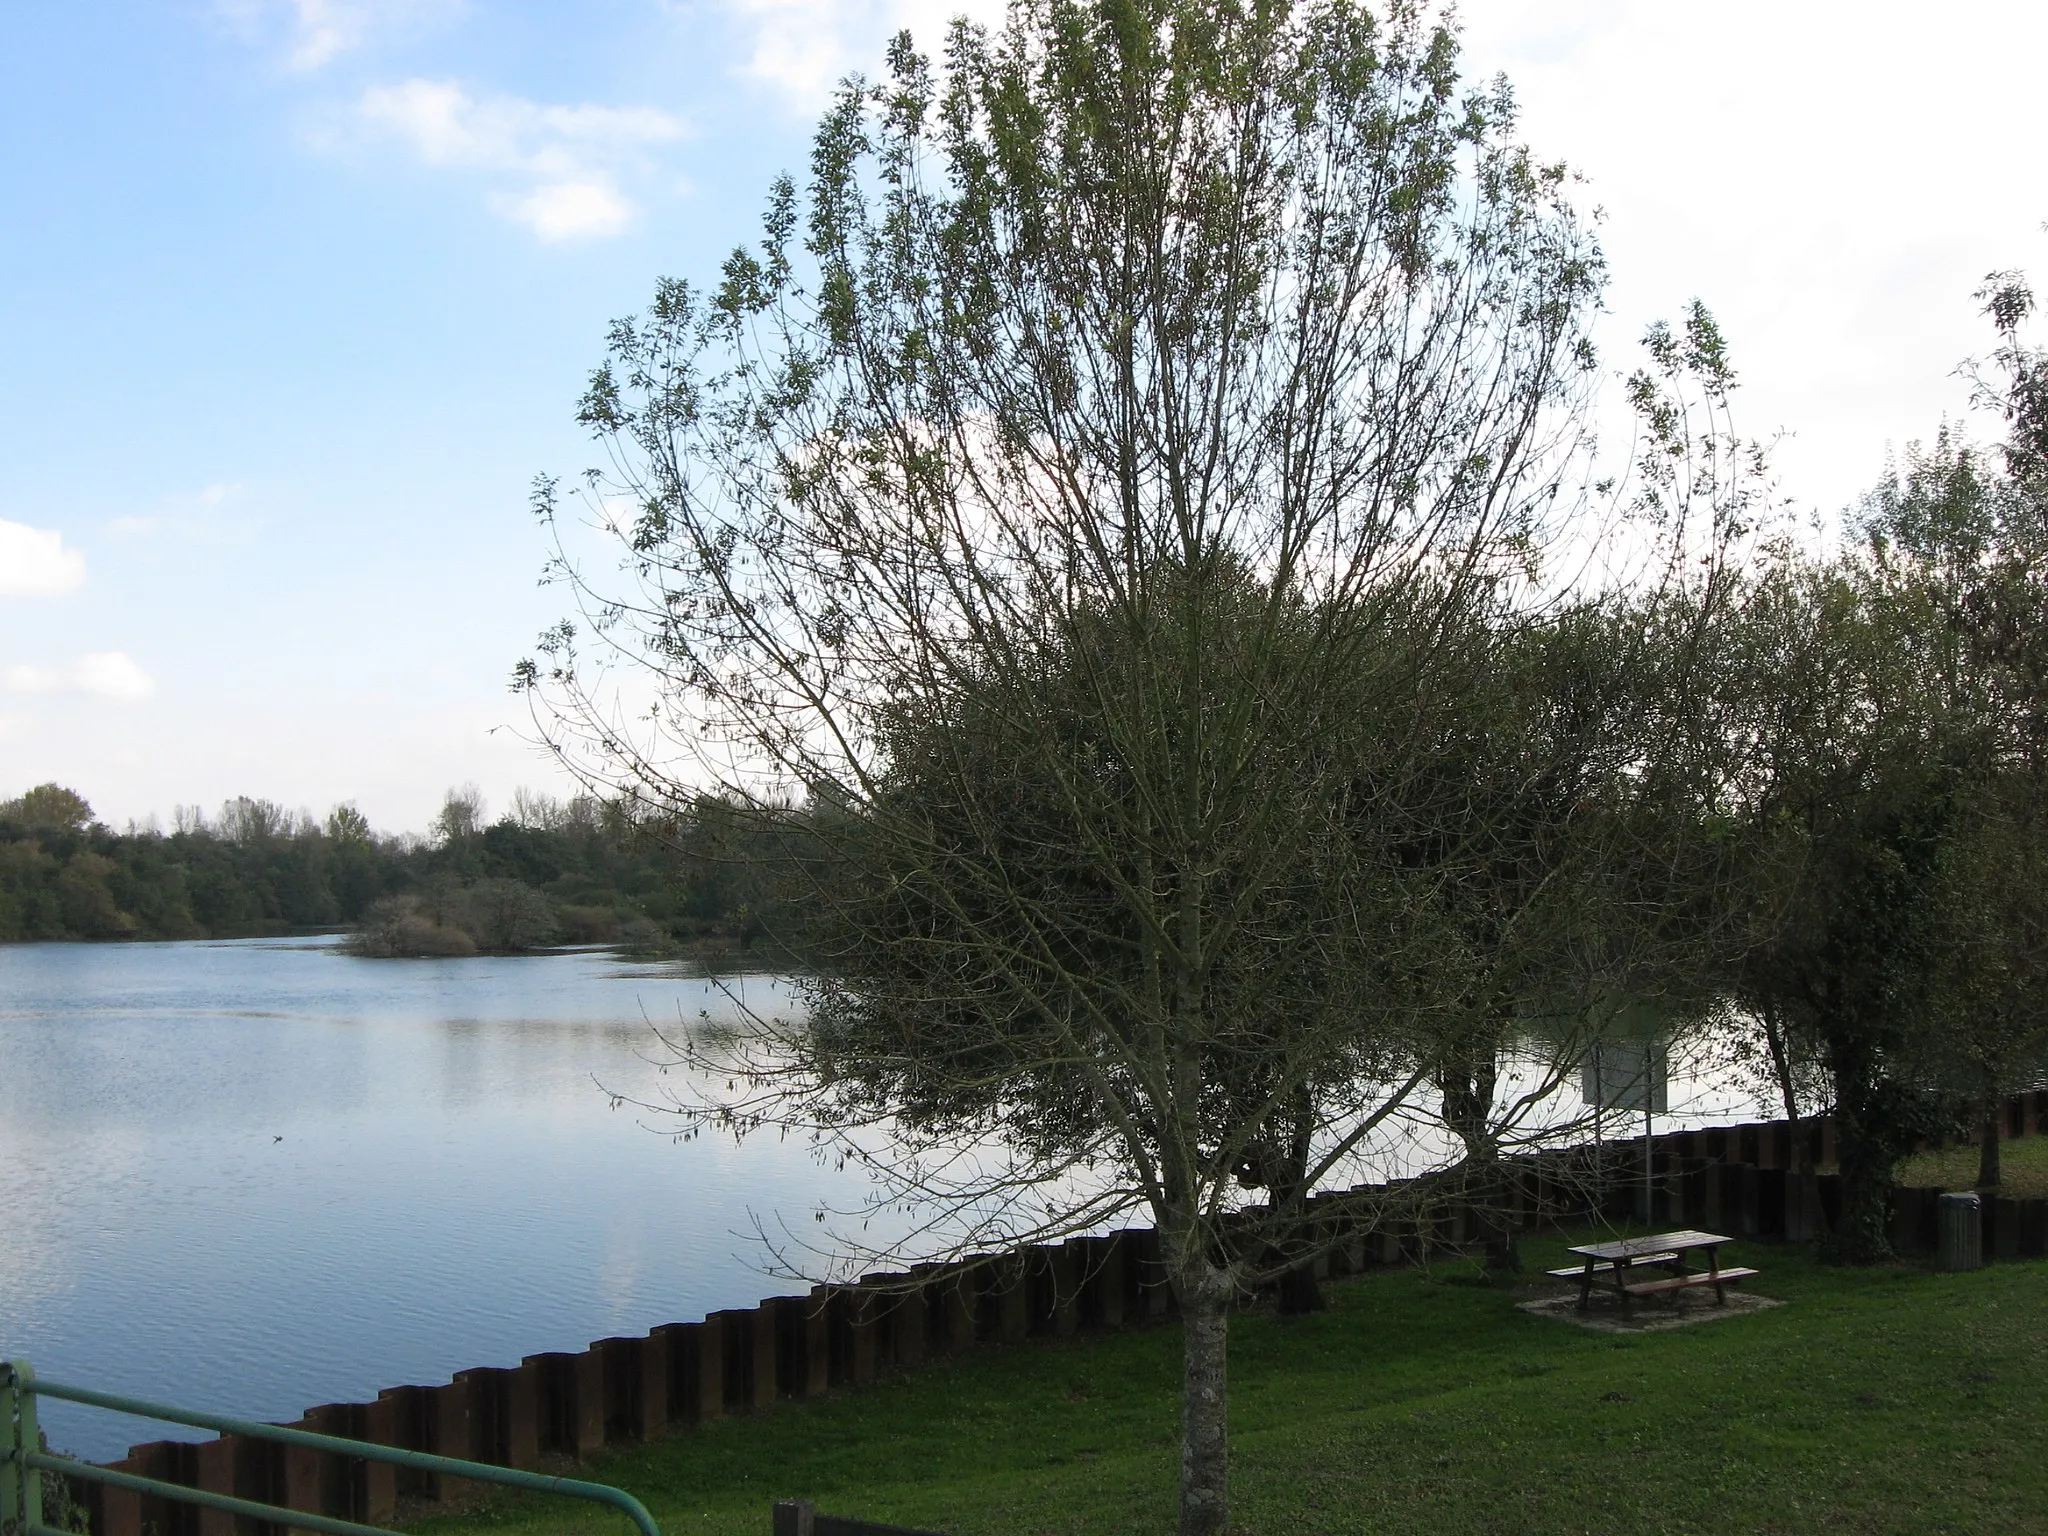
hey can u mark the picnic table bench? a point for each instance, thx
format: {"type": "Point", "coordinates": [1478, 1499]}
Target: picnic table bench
{"type": "Point", "coordinates": [1619, 1264]}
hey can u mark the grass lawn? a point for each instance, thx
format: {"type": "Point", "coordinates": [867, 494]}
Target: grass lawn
{"type": "Point", "coordinates": [1886, 1400]}
{"type": "Point", "coordinates": [2022, 1168]}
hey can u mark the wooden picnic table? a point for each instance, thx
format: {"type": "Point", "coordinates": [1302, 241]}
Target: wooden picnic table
{"type": "Point", "coordinates": [1663, 1254]}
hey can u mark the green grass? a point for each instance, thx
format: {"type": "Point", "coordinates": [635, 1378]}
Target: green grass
{"type": "Point", "coordinates": [2022, 1168]}
{"type": "Point", "coordinates": [1884, 1400]}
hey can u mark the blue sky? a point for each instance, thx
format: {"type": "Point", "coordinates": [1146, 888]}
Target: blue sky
{"type": "Point", "coordinates": [296, 297]}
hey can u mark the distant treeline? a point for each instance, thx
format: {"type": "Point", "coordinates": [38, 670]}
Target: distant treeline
{"type": "Point", "coordinates": [550, 871]}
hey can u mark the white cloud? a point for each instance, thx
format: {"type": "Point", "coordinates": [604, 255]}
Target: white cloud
{"type": "Point", "coordinates": [325, 31]}
{"type": "Point", "coordinates": [571, 210]}
{"type": "Point", "coordinates": [312, 34]}
{"type": "Point", "coordinates": [568, 157]}
{"type": "Point", "coordinates": [1834, 190]}
{"type": "Point", "coordinates": [205, 516]}
{"type": "Point", "coordinates": [445, 125]}
{"type": "Point", "coordinates": [805, 47]}
{"type": "Point", "coordinates": [36, 562]}
{"type": "Point", "coordinates": [105, 674]}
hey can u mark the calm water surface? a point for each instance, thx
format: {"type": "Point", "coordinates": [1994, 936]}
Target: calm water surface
{"type": "Point", "coordinates": [258, 1175]}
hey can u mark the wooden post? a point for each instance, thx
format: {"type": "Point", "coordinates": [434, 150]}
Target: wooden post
{"type": "Point", "coordinates": [1068, 1262]}
{"type": "Point", "coordinates": [485, 1393]}
{"type": "Point", "coordinates": [1772, 1200]}
{"type": "Point", "coordinates": [650, 1406]}
{"type": "Point", "coordinates": [878, 1304]}
{"type": "Point", "coordinates": [763, 1376]}
{"type": "Point", "coordinates": [1147, 1275]}
{"type": "Point", "coordinates": [216, 1463]}
{"type": "Point", "coordinates": [332, 1478]}
{"type": "Point", "coordinates": [1100, 1296]}
{"type": "Point", "coordinates": [736, 1357]}
{"type": "Point", "coordinates": [711, 1367]}
{"type": "Point", "coordinates": [618, 1386]}
{"type": "Point", "coordinates": [1742, 1180]}
{"type": "Point", "coordinates": [380, 1425]}
{"type": "Point", "coordinates": [1113, 1279]}
{"type": "Point", "coordinates": [399, 1417]}
{"type": "Point", "coordinates": [171, 1461]}
{"type": "Point", "coordinates": [451, 1418]}
{"type": "Point", "coordinates": [1802, 1207]}
{"type": "Point", "coordinates": [859, 1327]}
{"type": "Point", "coordinates": [818, 1341]}
{"type": "Point", "coordinates": [792, 1347]}
{"type": "Point", "coordinates": [679, 1363]}
{"type": "Point", "coordinates": [907, 1325]}
{"type": "Point", "coordinates": [117, 1511]}
{"type": "Point", "coordinates": [1013, 1297]}
{"type": "Point", "coordinates": [584, 1376]}
{"type": "Point", "coordinates": [525, 1414]}
{"type": "Point", "coordinates": [954, 1284]}
{"type": "Point", "coordinates": [543, 1377]}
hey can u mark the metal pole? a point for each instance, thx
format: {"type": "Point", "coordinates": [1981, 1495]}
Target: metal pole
{"type": "Point", "coordinates": [17, 1380]}
{"type": "Point", "coordinates": [1649, 1153]}
{"type": "Point", "coordinates": [11, 1469]}
{"type": "Point", "coordinates": [227, 1503]}
{"type": "Point", "coordinates": [21, 1484]}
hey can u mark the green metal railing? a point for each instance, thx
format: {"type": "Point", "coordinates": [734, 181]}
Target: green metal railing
{"type": "Point", "coordinates": [23, 1461]}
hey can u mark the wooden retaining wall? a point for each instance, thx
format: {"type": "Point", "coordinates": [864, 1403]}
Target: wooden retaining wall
{"type": "Point", "coordinates": [562, 1406]}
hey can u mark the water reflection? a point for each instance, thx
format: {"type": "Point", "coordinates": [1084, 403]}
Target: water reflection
{"type": "Point", "coordinates": [256, 1176]}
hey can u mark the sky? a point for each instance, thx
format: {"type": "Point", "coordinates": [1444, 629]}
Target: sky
{"type": "Point", "coordinates": [297, 296]}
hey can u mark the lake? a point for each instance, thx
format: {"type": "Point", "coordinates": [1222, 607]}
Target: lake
{"type": "Point", "coordinates": [254, 1176]}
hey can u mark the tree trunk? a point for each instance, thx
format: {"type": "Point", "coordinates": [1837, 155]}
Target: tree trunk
{"type": "Point", "coordinates": [1467, 1080]}
{"type": "Point", "coordinates": [1205, 1407]}
{"type": "Point", "coordinates": [1866, 1159]}
{"type": "Point", "coordinates": [1285, 1180]}
{"type": "Point", "coordinates": [1497, 1226]}
{"type": "Point", "coordinates": [1860, 1237]}
{"type": "Point", "coordinates": [1788, 1093]}
{"type": "Point", "coordinates": [1987, 1149]}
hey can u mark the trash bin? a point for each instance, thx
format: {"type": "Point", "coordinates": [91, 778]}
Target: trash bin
{"type": "Point", "coordinates": [1962, 1232]}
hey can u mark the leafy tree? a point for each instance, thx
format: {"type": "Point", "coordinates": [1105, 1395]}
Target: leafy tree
{"type": "Point", "coordinates": [1074, 505]}
{"type": "Point", "coordinates": [407, 926]}
{"type": "Point", "coordinates": [1963, 539]}
{"type": "Point", "coordinates": [461, 815]}
{"type": "Point", "coordinates": [49, 805]}
{"type": "Point", "coordinates": [347, 827]}
{"type": "Point", "coordinates": [1853, 794]}
{"type": "Point", "coordinates": [251, 821]}
{"type": "Point", "coordinates": [86, 902]}
{"type": "Point", "coordinates": [1561, 823]}
{"type": "Point", "coordinates": [508, 916]}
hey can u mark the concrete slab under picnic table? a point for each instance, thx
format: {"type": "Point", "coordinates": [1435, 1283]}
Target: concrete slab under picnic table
{"type": "Point", "coordinates": [1605, 1314]}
